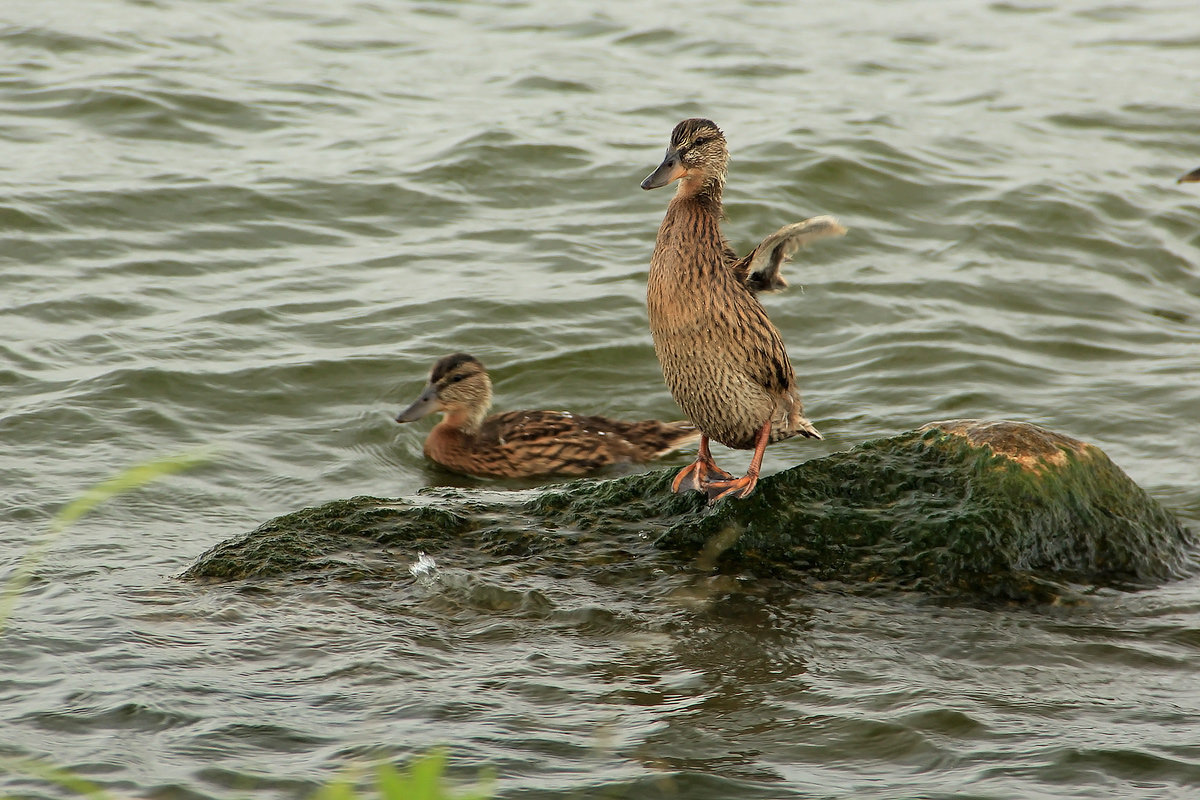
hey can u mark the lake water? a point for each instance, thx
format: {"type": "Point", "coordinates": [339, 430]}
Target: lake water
{"type": "Point", "coordinates": [256, 224]}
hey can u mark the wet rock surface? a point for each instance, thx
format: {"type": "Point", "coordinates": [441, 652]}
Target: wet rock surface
{"type": "Point", "coordinates": [1002, 510]}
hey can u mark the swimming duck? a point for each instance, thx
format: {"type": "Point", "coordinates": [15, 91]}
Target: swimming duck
{"type": "Point", "coordinates": [723, 360]}
{"type": "Point", "coordinates": [521, 444]}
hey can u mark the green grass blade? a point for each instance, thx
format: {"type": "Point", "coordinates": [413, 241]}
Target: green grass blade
{"type": "Point", "coordinates": [341, 789]}
{"type": "Point", "coordinates": [425, 775]}
{"type": "Point", "coordinates": [392, 785]}
{"type": "Point", "coordinates": [61, 777]}
{"type": "Point", "coordinates": [133, 478]}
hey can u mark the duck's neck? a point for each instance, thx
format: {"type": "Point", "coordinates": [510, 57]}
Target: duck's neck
{"type": "Point", "coordinates": [705, 191]}
{"type": "Point", "coordinates": [463, 420]}
{"type": "Point", "coordinates": [452, 440]}
{"type": "Point", "coordinates": [690, 244]}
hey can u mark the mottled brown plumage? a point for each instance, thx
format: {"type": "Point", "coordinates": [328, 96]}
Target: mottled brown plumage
{"type": "Point", "coordinates": [521, 444]}
{"type": "Point", "coordinates": [723, 360]}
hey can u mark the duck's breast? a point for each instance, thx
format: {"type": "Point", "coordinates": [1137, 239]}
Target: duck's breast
{"type": "Point", "coordinates": [723, 360]}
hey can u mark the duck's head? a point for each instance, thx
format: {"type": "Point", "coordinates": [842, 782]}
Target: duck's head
{"type": "Point", "coordinates": [696, 157]}
{"type": "Point", "coordinates": [459, 387]}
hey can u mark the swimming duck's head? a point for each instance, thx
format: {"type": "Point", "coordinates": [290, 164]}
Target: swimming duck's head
{"type": "Point", "coordinates": [458, 386]}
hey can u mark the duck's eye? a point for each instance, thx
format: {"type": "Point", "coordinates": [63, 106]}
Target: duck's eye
{"type": "Point", "coordinates": [703, 140]}
{"type": "Point", "coordinates": [457, 378]}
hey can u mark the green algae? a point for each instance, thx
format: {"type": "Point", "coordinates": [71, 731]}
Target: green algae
{"type": "Point", "coordinates": [999, 510]}
{"type": "Point", "coordinates": [929, 510]}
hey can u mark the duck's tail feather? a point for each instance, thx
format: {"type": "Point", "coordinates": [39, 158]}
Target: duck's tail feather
{"type": "Point", "coordinates": [683, 434]}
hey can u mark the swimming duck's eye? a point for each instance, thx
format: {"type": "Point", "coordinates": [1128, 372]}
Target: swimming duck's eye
{"type": "Point", "coordinates": [703, 140]}
{"type": "Point", "coordinates": [457, 378]}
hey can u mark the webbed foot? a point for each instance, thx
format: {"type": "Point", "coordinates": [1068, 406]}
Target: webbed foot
{"type": "Point", "coordinates": [735, 487]}
{"type": "Point", "coordinates": [688, 479]}
{"type": "Point", "coordinates": [697, 476]}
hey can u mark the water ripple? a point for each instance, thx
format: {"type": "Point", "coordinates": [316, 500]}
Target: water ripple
{"type": "Point", "coordinates": [259, 224]}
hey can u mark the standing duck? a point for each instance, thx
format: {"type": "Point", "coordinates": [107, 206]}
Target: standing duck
{"type": "Point", "coordinates": [722, 359]}
{"type": "Point", "coordinates": [522, 444]}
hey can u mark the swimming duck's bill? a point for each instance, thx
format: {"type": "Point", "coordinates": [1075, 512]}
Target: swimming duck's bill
{"type": "Point", "coordinates": [669, 170]}
{"type": "Point", "coordinates": [1191, 177]}
{"type": "Point", "coordinates": [423, 406]}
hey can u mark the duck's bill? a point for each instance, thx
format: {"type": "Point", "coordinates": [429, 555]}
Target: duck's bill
{"type": "Point", "coordinates": [1191, 177]}
{"type": "Point", "coordinates": [670, 169]}
{"type": "Point", "coordinates": [423, 406]}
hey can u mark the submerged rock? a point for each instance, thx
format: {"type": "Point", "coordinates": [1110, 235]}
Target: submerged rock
{"type": "Point", "coordinates": [988, 509]}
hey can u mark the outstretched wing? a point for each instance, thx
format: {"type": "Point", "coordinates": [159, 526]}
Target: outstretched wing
{"type": "Point", "coordinates": [759, 269]}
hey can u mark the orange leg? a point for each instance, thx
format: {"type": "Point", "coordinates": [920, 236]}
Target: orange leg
{"type": "Point", "coordinates": [743, 486]}
{"type": "Point", "coordinates": [700, 473]}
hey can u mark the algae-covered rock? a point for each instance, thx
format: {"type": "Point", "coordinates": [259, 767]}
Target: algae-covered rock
{"type": "Point", "coordinates": [990, 509]}
{"type": "Point", "coordinates": [993, 508]}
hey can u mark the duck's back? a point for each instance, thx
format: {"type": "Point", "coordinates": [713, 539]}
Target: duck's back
{"type": "Point", "coordinates": [518, 444]}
